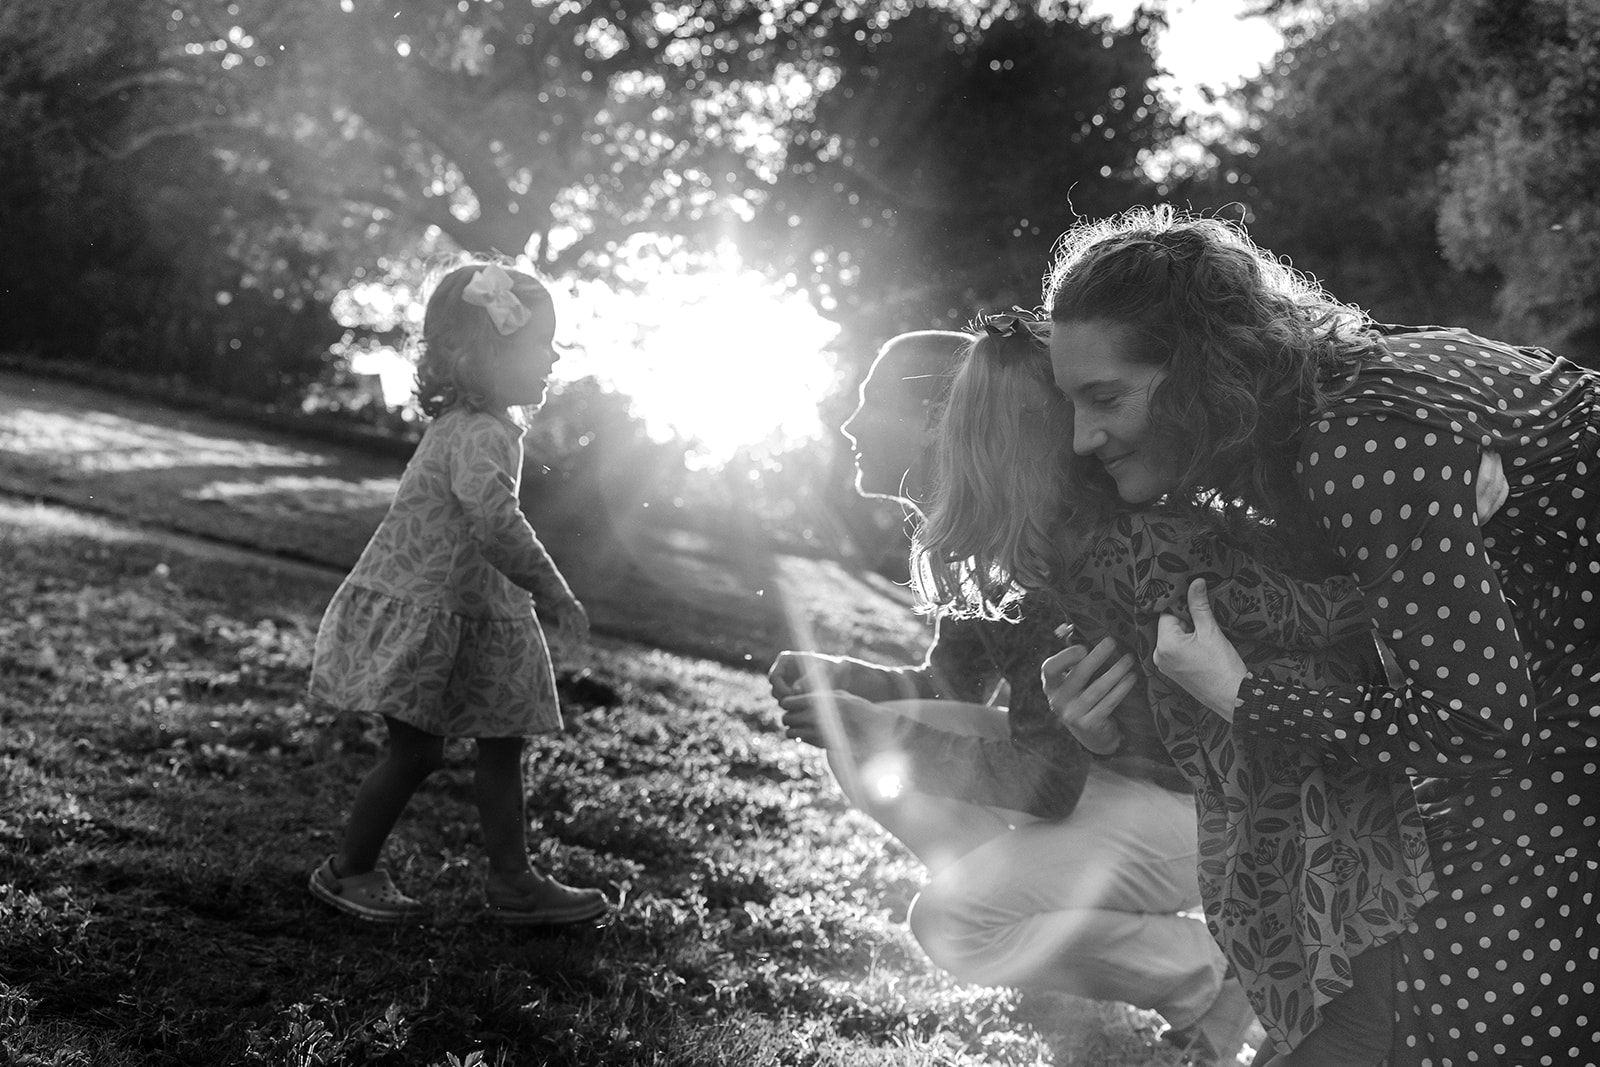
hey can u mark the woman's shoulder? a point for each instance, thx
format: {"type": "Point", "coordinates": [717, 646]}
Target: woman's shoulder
{"type": "Point", "coordinates": [1443, 379]}
{"type": "Point", "coordinates": [1457, 358]}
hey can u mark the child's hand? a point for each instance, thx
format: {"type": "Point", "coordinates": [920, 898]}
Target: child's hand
{"type": "Point", "coordinates": [1084, 687]}
{"type": "Point", "coordinates": [572, 623]}
{"type": "Point", "coordinates": [794, 673]}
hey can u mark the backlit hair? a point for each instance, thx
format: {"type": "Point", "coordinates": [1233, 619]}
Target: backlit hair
{"type": "Point", "coordinates": [1000, 452]}
{"type": "Point", "coordinates": [1250, 346]}
{"type": "Point", "coordinates": [457, 338]}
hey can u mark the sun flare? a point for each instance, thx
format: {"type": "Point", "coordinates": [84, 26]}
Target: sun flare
{"type": "Point", "coordinates": [715, 354]}
{"type": "Point", "coordinates": [705, 349]}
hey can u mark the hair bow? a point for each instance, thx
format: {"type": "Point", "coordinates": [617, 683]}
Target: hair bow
{"type": "Point", "coordinates": [1011, 337]}
{"type": "Point", "coordinates": [490, 289]}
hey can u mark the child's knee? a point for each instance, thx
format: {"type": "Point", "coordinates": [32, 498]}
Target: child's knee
{"type": "Point", "coordinates": [420, 760]}
{"type": "Point", "coordinates": [500, 749]}
{"type": "Point", "coordinates": [419, 752]}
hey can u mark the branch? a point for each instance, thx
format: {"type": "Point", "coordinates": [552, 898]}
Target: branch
{"type": "Point", "coordinates": [144, 139]}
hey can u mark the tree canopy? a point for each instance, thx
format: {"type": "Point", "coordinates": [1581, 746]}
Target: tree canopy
{"type": "Point", "coordinates": [1522, 189]}
{"type": "Point", "coordinates": [186, 184]}
{"type": "Point", "coordinates": [1337, 161]}
{"type": "Point", "coordinates": [1433, 160]}
{"type": "Point", "coordinates": [931, 173]}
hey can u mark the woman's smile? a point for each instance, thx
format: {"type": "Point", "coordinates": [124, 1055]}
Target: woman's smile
{"type": "Point", "coordinates": [1110, 396]}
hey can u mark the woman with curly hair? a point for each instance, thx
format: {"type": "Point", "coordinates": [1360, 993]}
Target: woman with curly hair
{"type": "Point", "coordinates": [1202, 370]}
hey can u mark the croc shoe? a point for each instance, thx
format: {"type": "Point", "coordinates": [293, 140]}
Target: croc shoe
{"type": "Point", "coordinates": [546, 902]}
{"type": "Point", "coordinates": [371, 896]}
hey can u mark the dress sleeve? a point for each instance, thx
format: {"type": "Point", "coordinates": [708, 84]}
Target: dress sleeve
{"type": "Point", "coordinates": [1396, 500]}
{"type": "Point", "coordinates": [961, 664]}
{"type": "Point", "coordinates": [484, 477]}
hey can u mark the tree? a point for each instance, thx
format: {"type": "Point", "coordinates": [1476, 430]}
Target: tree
{"type": "Point", "coordinates": [928, 173]}
{"type": "Point", "coordinates": [183, 260]}
{"type": "Point", "coordinates": [204, 175]}
{"type": "Point", "coordinates": [1522, 188]}
{"type": "Point", "coordinates": [560, 128]}
{"type": "Point", "coordinates": [1336, 164]}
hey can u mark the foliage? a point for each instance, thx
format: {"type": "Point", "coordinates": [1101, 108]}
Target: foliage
{"type": "Point", "coordinates": [1336, 162]}
{"type": "Point", "coordinates": [202, 177]}
{"type": "Point", "coordinates": [188, 257]}
{"type": "Point", "coordinates": [1522, 189]}
{"type": "Point", "coordinates": [930, 172]}
{"type": "Point", "coordinates": [165, 792]}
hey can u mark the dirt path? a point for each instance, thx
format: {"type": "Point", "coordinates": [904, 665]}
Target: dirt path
{"type": "Point", "coordinates": [212, 486]}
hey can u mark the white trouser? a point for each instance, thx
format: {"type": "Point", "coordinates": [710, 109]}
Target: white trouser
{"type": "Point", "coordinates": [1102, 904]}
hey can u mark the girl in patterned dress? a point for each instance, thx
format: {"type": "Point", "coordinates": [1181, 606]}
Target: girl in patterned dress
{"type": "Point", "coordinates": [433, 628]}
{"type": "Point", "coordinates": [1303, 865]}
{"type": "Point", "coordinates": [1201, 368]}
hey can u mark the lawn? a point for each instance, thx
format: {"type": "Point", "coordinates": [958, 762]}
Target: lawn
{"type": "Point", "coordinates": [164, 791]}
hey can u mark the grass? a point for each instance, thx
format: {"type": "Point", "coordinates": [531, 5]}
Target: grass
{"type": "Point", "coordinates": [164, 792]}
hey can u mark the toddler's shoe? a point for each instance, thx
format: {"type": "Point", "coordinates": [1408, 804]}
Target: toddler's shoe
{"type": "Point", "coordinates": [535, 899]}
{"type": "Point", "coordinates": [371, 896]}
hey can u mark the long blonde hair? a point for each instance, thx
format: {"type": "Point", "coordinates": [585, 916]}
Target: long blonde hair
{"type": "Point", "coordinates": [1001, 455]}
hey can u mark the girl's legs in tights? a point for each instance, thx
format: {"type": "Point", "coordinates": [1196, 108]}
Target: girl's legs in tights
{"type": "Point", "coordinates": [412, 755]}
{"type": "Point", "coordinates": [497, 788]}
{"type": "Point", "coordinates": [1357, 1026]}
{"type": "Point", "coordinates": [502, 813]}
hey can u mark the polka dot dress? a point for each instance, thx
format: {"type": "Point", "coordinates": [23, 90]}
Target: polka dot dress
{"type": "Point", "coordinates": [1497, 632]}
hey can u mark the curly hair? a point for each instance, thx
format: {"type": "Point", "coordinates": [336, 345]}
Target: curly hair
{"type": "Point", "coordinates": [1251, 347]}
{"type": "Point", "coordinates": [457, 337]}
{"type": "Point", "coordinates": [1000, 453]}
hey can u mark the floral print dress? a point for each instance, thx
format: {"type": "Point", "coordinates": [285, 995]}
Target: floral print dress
{"type": "Point", "coordinates": [1303, 862]}
{"type": "Point", "coordinates": [434, 625]}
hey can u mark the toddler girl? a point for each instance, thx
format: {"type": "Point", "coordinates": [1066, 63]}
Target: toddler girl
{"type": "Point", "coordinates": [433, 629]}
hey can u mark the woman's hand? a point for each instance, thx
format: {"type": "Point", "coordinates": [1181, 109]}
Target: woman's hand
{"type": "Point", "coordinates": [1083, 696]}
{"type": "Point", "coordinates": [1202, 660]}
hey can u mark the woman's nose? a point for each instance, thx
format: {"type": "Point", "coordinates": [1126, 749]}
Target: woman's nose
{"type": "Point", "coordinates": [1087, 438]}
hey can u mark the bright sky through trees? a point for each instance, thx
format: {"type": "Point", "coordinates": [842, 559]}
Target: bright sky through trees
{"type": "Point", "coordinates": [712, 352]}
{"type": "Point", "coordinates": [1206, 43]}
{"type": "Point", "coordinates": [726, 358]}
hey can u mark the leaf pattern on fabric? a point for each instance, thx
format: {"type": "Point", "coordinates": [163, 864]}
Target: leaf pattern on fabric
{"type": "Point", "coordinates": [1305, 858]}
{"type": "Point", "coordinates": [434, 625]}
